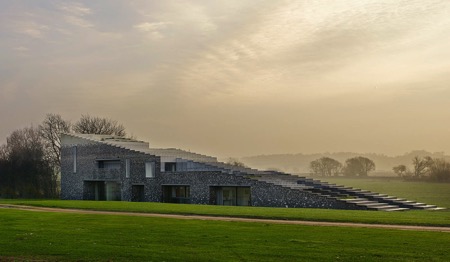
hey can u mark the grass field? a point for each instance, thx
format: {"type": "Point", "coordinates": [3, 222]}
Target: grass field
{"type": "Point", "coordinates": [430, 193]}
{"type": "Point", "coordinates": [26, 235]}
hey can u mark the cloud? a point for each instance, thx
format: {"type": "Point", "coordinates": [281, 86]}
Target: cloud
{"type": "Point", "coordinates": [32, 29]}
{"type": "Point", "coordinates": [149, 27]}
{"type": "Point", "coordinates": [76, 9]}
{"type": "Point", "coordinates": [21, 49]}
{"type": "Point", "coordinates": [78, 21]}
{"type": "Point", "coordinates": [75, 13]}
{"type": "Point", "coordinates": [153, 30]}
{"type": "Point", "coordinates": [196, 16]}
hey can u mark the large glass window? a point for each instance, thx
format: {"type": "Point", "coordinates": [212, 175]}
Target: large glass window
{"type": "Point", "coordinates": [112, 191]}
{"type": "Point", "coordinates": [243, 196]}
{"type": "Point", "coordinates": [177, 194]}
{"type": "Point", "coordinates": [102, 190]}
{"type": "Point", "coordinates": [231, 196]}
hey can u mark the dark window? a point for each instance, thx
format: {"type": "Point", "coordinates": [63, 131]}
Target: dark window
{"type": "Point", "coordinates": [177, 194]}
{"type": "Point", "coordinates": [102, 190]}
{"type": "Point", "coordinates": [170, 166]}
{"type": "Point", "coordinates": [137, 193]}
{"type": "Point", "coordinates": [109, 164]}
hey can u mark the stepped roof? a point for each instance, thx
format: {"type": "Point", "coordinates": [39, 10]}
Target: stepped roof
{"type": "Point", "coordinates": [164, 153]}
{"type": "Point", "coordinates": [143, 147]}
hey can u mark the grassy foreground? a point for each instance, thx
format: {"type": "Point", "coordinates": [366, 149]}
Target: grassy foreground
{"type": "Point", "coordinates": [431, 218]}
{"type": "Point", "coordinates": [26, 235]}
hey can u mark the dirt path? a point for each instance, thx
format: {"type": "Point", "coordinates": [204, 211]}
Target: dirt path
{"type": "Point", "coordinates": [232, 219]}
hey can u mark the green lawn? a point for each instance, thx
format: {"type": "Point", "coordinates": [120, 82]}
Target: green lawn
{"type": "Point", "coordinates": [435, 218]}
{"type": "Point", "coordinates": [26, 235]}
{"type": "Point", "coordinates": [430, 193]}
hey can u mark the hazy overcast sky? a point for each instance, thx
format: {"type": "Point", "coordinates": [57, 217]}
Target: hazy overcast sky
{"type": "Point", "coordinates": [235, 78]}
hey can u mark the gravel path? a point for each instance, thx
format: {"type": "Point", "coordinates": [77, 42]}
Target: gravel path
{"type": "Point", "coordinates": [231, 219]}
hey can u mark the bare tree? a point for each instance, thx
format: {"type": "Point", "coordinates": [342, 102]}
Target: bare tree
{"type": "Point", "coordinates": [3, 152]}
{"type": "Point", "coordinates": [325, 166]}
{"type": "Point", "coordinates": [400, 170]}
{"type": "Point", "coordinates": [98, 125]}
{"type": "Point", "coordinates": [440, 170]}
{"type": "Point", "coordinates": [422, 166]}
{"type": "Point", "coordinates": [51, 129]}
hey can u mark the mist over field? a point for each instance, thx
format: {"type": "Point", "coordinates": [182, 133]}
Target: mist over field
{"type": "Point", "coordinates": [300, 163]}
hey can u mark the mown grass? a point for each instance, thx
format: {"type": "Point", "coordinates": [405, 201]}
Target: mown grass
{"type": "Point", "coordinates": [26, 235]}
{"type": "Point", "coordinates": [430, 218]}
{"type": "Point", "coordinates": [426, 192]}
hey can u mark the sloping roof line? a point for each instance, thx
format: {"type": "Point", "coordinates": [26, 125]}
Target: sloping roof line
{"type": "Point", "coordinates": [143, 147]}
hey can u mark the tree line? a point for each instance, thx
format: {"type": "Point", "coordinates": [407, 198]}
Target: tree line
{"type": "Point", "coordinates": [356, 166]}
{"type": "Point", "coordinates": [426, 168]}
{"type": "Point", "coordinates": [423, 168]}
{"type": "Point", "coordinates": [30, 160]}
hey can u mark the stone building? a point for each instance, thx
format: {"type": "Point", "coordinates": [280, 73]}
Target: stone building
{"type": "Point", "coordinates": [103, 167]}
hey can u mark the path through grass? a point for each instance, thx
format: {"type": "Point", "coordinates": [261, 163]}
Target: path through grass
{"type": "Point", "coordinates": [432, 218]}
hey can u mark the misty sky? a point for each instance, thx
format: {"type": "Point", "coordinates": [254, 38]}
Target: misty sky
{"type": "Point", "coordinates": [235, 78]}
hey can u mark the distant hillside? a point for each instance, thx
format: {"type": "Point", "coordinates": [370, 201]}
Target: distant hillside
{"type": "Point", "coordinates": [299, 163]}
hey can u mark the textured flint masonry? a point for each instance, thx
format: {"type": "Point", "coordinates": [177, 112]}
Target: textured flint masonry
{"type": "Point", "coordinates": [76, 183]}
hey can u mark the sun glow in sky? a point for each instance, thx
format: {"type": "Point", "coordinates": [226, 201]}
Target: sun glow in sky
{"type": "Point", "coordinates": [235, 78]}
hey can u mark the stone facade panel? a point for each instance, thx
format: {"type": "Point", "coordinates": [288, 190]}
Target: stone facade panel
{"type": "Point", "coordinates": [202, 183]}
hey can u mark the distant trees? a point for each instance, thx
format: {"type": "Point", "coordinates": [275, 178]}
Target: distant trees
{"type": "Point", "coordinates": [30, 159]}
{"type": "Point", "coordinates": [358, 166]}
{"type": "Point", "coordinates": [426, 168]}
{"type": "Point", "coordinates": [325, 166]}
{"type": "Point", "coordinates": [98, 125]}
{"type": "Point", "coordinates": [235, 162]}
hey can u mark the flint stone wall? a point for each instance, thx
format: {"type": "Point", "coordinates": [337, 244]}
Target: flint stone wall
{"type": "Point", "coordinates": [200, 182]}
